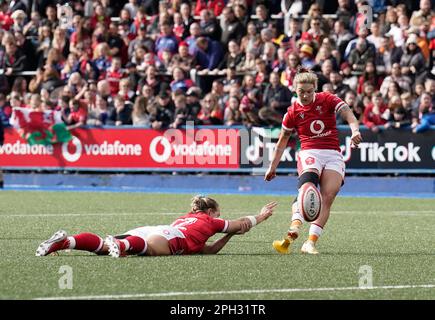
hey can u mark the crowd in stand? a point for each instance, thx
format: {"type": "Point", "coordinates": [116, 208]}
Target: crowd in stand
{"type": "Point", "coordinates": [159, 64]}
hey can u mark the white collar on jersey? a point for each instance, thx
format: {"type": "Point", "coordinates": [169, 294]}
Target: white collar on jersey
{"type": "Point", "coordinates": [300, 103]}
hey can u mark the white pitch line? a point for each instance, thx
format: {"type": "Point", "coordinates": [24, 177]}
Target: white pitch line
{"type": "Point", "coordinates": [254, 291]}
{"type": "Point", "coordinates": [180, 213]}
{"type": "Point", "coordinates": [88, 214]}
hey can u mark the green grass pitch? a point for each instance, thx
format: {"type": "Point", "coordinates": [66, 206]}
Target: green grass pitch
{"type": "Point", "coordinates": [395, 237]}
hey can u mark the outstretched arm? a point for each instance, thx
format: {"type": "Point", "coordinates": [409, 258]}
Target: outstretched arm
{"type": "Point", "coordinates": [239, 226]}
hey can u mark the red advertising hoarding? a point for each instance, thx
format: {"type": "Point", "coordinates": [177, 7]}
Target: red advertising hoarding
{"type": "Point", "coordinates": [131, 148]}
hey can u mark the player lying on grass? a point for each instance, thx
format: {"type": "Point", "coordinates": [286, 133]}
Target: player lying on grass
{"type": "Point", "coordinates": [186, 235]}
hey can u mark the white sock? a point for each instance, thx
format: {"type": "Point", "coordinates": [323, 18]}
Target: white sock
{"type": "Point", "coordinates": [71, 242]}
{"type": "Point", "coordinates": [297, 215]}
{"type": "Point", "coordinates": [315, 230]}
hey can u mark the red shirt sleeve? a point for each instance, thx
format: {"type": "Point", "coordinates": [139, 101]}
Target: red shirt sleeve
{"type": "Point", "coordinates": [219, 225]}
{"type": "Point", "coordinates": [287, 122]}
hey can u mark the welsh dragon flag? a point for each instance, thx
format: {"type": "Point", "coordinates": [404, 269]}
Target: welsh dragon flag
{"type": "Point", "coordinates": [40, 127]}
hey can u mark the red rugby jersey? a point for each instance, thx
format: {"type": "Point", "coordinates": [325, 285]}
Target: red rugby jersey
{"type": "Point", "coordinates": [315, 123]}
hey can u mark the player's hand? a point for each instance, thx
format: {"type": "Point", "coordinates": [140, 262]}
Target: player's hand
{"type": "Point", "coordinates": [270, 174]}
{"type": "Point", "coordinates": [267, 210]}
{"type": "Point", "coordinates": [355, 139]}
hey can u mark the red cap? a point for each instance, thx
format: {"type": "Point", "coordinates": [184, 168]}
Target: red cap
{"type": "Point", "coordinates": [183, 44]}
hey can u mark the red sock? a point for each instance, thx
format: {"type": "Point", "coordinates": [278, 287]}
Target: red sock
{"type": "Point", "coordinates": [137, 245]}
{"type": "Point", "coordinates": [86, 241]}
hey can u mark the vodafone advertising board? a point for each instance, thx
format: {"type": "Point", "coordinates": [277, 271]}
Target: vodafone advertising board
{"type": "Point", "coordinates": [134, 148]}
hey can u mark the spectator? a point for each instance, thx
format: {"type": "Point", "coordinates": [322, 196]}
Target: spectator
{"type": "Point", "coordinates": [344, 13]}
{"type": "Point", "coordinates": [125, 91]}
{"type": "Point", "coordinates": [289, 73]}
{"type": "Point", "coordinates": [375, 114]}
{"type": "Point", "coordinates": [232, 28]}
{"type": "Point", "coordinates": [117, 47]}
{"type": "Point", "coordinates": [314, 35]}
{"type": "Point", "coordinates": [30, 30]}
{"type": "Point", "coordinates": [152, 80]}
{"type": "Point", "coordinates": [262, 73]}
{"type": "Point", "coordinates": [387, 55]}
{"type": "Point", "coordinates": [195, 33]}
{"type": "Point", "coordinates": [376, 36]}
{"type": "Point", "coordinates": [341, 36]}
{"type": "Point", "coordinates": [412, 61]}
{"type": "Point", "coordinates": [20, 86]}
{"type": "Point", "coordinates": [98, 113]}
{"type": "Point", "coordinates": [78, 116]}
{"type": "Point", "coordinates": [263, 19]}
{"type": "Point", "coordinates": [424, 116]}
{"type": "Point", "coordinates": [233, 58]}
{"type": "Point", "coordinates": [193, 103]}
{"type": "Point", "coordinates": [251, 41]}
{"type": "Point", "coordinates": [182, 112]}
{"type": "Point", "coordinates": [180, 82]}
{"type": "Point", "coordinates": [276, 100]}
{"type": "Point", "coordinates": [70, 66]}
{"type": "Point", "coordinates": [132, 7]}
{"type": "Point", "coordinates": [210, 113]}
{"type": "Point", "coordinates": [102, 60]}
{"type": "Point", "coordinates": [139, 114]}
{"type": "Point", "coordinates": [294, 34]}
{"type": "Point", "coordinates": [306, 56]}
{"type": "Point", "coordinates": [230, 80]}
{"type": "Point", "coordinates": [280, 63]}
{"type": "Point", "coordinates": [63, 107]}
{"type": "Point", "coordinates": [315, 12]}
{"type": "Point", "coordinates": [422, 16]}
{"type": "Point", "coordinates": [208, 54]}
{"type": "Point", "coordinates": [133, 76]}
{"type": "Point", "coordinates": [164, 61]}
{"type": "Point", "coordinates": [19, 17]}
{"type": "Point", "coordinates": [359, 57]}
{"type": "Point", "coordinates": [178, 27]}
{"type": "Point", "coordinates": [162, 112]}
{"type": "Point", "coordinates": [248, 65]}
{"type": "Point", "coordinates": [51, 79]}
{"type": "Point", "coordinates": [182, 59]}
{"type": "Point", "coordinates": [369, 75]}
{"type": "Point", "coordinates": [232, 115]}
{"type": "Point", "coordinates": [241, 14]}
{"type": "Point", "coordinates": [166, 40]}
{"type": "Point", "coordinates": [121, 114]}
{"type": "Point", "coordinates": [338, 87]}
{"type": "Point", "coordinates": [209, 26]}
{"type": "Point", "coordinates": [186, 16]}
{"type": "Point", "coordinates": [404, 82]}
{"type": "Point", "coordinates": [356, 105]}
{"type": "Point", "coordinates": [398, 117]}
{"type": "Point", "coordinates": [249, 107]}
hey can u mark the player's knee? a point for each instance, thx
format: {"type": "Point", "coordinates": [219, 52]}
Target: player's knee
{"type": "Point", "coordinates": [308, 177]}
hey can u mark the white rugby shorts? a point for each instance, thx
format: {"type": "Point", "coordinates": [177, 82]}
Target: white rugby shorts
{"type": "Point", "coordinates": [321, 159]}
{"type": "Point", "coordinates": [165, 231]}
